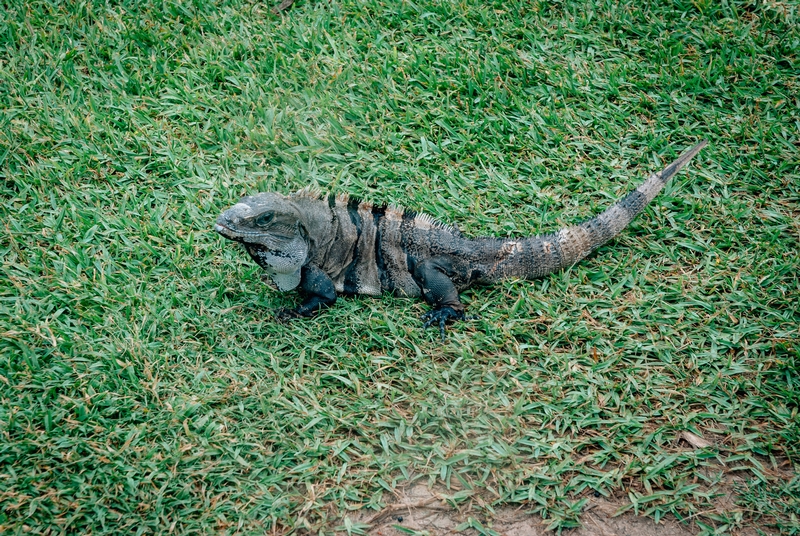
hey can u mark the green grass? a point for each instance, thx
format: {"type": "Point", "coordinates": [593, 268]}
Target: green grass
{"type": "Point", "coordinates": [145, 387]}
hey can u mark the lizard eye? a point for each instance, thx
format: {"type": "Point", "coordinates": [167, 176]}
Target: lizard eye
{"type": "Point", "coordinates": [265, 219]}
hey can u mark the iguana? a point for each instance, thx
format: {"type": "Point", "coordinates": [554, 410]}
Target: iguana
{"type": "Point", "coordinates": [335, 245]}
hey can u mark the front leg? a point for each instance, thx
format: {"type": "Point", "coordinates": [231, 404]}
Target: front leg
{"type": "Point", "coordinates": [440, 293]}
{"type": "Point", "coordinates": [318, 290]}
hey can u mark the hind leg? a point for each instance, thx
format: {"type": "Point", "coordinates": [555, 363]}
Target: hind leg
{"type": "Point", "coordinates": [438, 289]}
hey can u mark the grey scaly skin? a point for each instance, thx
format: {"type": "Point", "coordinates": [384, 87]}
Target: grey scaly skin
{"type": "Point", "coordinates": [334, 245]}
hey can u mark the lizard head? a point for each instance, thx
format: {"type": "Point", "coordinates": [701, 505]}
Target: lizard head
{"type": "Point", "coordinates": [270, 228]}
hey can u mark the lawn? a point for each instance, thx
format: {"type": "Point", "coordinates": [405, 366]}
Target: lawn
{"type": "Point", "coordinates": [145, 386]}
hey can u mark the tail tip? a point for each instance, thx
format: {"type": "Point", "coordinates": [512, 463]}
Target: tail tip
{"type": "Point", "coordinates": [682, 160]}
{"type": "Point", "coordinates": [693, 151]}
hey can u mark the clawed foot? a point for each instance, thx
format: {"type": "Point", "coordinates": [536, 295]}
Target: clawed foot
{"type": "Point", "coordinates": [444, 316]}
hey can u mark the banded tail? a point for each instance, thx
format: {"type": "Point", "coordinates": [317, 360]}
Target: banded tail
{"type": "Point", "coordinates": [541, 255]}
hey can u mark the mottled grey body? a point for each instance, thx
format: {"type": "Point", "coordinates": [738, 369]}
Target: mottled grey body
{"type": "Point", "coordinates": [350, 247]}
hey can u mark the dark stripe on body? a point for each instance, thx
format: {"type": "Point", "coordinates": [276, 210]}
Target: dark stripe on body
{"type": "Point", "coordinates": [377, 215]}
{"type": "Point", "coordinates": [351, 272]}
{"type": "Point", "coordinates": [408, 226]}
{"type": "Point", "coordinates": [671, 169]}
{"type": "Point", "coordinates": [598, 231]}
{"type": "Point", "coordinates": [558, 254]}
{"type": "Point", "coordinates": [633, 203]}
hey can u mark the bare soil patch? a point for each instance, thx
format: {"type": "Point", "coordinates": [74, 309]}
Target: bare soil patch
{"type": "Point", "coordinates": [421, 509]}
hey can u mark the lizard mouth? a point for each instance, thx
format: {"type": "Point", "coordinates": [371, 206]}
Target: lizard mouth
{"type": "Point", "coordinates": [233, 234]}
{"type": "Point", "coordinates": [226, 231]}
